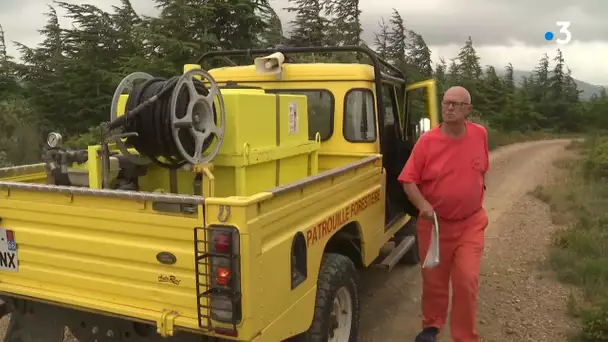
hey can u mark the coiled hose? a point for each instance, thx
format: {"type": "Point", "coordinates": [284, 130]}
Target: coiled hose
{"type": "Point", "coordinates": [148, 114]}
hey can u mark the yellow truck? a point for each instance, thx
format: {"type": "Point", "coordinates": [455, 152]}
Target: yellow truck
{"type": "Point", "coordinates": [229, 204]}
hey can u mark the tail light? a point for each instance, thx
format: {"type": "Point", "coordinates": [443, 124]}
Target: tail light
{"type": "Point", "coordinates": [220, 242]}
{"type": "Point", "coordinates": [225, 285]}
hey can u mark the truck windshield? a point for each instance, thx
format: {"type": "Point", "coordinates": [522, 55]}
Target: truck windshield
{"type": "Point", "coordinates": [320, 110]}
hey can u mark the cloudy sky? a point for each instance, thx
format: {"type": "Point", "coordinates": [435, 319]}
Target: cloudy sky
{"type": "Point", "coordinates": [503, 31]}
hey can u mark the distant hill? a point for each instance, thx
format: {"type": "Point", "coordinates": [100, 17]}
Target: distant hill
{"type": "Point", "coordinates": [587, 88]}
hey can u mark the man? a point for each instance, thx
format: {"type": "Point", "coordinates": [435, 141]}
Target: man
{"type": "Point", "coordinates": [445, 175]}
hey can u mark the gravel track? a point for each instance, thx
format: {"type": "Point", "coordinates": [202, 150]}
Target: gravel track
{"type": "Point", "coordinates": [518, 301]}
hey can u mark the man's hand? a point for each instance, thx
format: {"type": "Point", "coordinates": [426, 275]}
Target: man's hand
{"type": "Point", "coordinates": [413, 193]}
{"type": "Point", "coordinates": [426, 210]}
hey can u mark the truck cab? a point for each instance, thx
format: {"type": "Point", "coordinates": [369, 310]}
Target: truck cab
{"type": "Point", "coordinates": [354, 109]}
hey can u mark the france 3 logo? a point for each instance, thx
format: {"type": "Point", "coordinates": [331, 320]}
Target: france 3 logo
{"type": "Point", "coordinates": [564, 33]}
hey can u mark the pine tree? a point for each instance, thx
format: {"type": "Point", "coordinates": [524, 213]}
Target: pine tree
{"type": "Point", "coordinates": [470, 76]}
{"type": "Point", "coordinates": [441, 76]}
{"type": "Point", "coordinates": [453, 73]}
{"type": "Point", "coordinates": [381, 40]}
{"type": "Point", "coordinates": [539, 88]}
{"type": "Point", "coordinates": [494, 94]}
{"type": "Point", "coordinates": [238, 24]}
{"type": "Point", "coordinates": [557, 80]}
{"type": "Point", "coordinates": [509, 79]}
{"type": "Point", "coordinates": [397, 39]}
{"type": "Point", "coordinates": [139, 49]}
{"type": "Point", "coordinates": [309, 26]}
{"type": "Point", "coordinates": [9, 85]}
{"type": "Point", "coordinates": [344, 23]}
{"type": "Point", "coordinates": [273, 34]}
{"type": "Point", "coordinates": [44, 71]}
{"type": "Point", "coordinates": [571, 91]}
{"type": "Point", "coordinates": [418, 56]}
{"type": "Point", "coordinates": [470, 69]}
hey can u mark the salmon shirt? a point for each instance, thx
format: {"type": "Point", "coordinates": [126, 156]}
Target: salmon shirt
{"type": "Point", "coordinates": [450, 171]}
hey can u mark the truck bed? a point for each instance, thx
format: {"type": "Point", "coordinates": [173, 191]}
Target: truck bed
{"type": "Point", "coordinates": [103, 250]}
{"type": "Point", "coordinates": [97, 249]}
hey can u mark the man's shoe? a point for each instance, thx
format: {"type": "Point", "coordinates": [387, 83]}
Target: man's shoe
{"type": "Point", "coordinates": [427, 335]}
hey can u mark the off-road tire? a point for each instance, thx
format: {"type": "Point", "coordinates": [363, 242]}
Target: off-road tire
{"type": "Point", "coordinates": [336, 271]}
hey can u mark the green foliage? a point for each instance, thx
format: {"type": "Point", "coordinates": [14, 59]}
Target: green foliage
{"type": "Point", "coordinates": [596, 165]}
{"type": "Point", "coordinates": [69, 78]}
{"type": "Point", "coordinates": [20, 141]}
{"type": "Point", "coordinates": [82, 141]}
{"type": "Point", "coordinates": [580, 253]}
{"type": "Point", "coordinates": [595, 324]}
{"type": "Point", "coordinates": [309, 26]}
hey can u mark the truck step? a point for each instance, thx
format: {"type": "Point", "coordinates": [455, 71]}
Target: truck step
{"type": "Point", "coordinates": [397, 253]}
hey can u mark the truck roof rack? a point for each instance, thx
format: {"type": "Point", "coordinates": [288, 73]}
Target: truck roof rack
{"type": "Point", "coordinates": [383, 70]}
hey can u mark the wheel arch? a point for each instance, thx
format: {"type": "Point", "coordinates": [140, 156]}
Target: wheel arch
{"type": "Point", "coordinates": [347, 241]}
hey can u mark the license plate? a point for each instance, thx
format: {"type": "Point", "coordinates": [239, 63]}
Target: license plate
{"type": "Point", "coordinates": [9, 262]}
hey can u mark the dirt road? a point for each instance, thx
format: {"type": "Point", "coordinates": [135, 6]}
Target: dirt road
{"type": "Point", "coordinates": [517, 302]}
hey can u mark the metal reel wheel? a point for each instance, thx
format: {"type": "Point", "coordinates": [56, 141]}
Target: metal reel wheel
{"type": "Point", "coordinates": [199, 117]}
{"type": "Point", "coordinates": [127, 83]}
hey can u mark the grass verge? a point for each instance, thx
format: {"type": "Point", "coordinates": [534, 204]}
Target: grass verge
{"type": "Point", "coordinates": [579, 253]}
{"type": "Point", "coordinates": [497, 138]}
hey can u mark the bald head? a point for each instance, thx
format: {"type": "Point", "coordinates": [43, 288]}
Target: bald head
{"type": "Point", "coordinates": [456, 105]}
{"type": "Point", "coordinates": [458, 92]}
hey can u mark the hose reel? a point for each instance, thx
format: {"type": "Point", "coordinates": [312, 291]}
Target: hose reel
{"type": "Point", "coordinates": [173, 119]}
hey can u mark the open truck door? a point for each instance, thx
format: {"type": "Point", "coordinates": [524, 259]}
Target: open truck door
{"type": "Point", "coordinates": [419, 114]}
{"type": "Point", "coordinates": [421, 110]}
{"type": "Point", "coordinates": [416, 101]}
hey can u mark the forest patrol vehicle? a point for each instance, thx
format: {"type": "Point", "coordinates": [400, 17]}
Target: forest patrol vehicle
{"type": "Point", "coordinates": [229, 204]}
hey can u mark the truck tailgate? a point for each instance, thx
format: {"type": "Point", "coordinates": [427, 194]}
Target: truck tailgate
{"type": "Point", "coordinates": [100, 250]}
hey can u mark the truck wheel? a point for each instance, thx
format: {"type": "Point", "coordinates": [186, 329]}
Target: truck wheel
{"type": "Point", "coordinates": [336, 317]}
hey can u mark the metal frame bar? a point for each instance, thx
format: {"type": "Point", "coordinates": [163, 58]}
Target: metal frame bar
{"type": "Point", "coordinates": [206, 290]}
{"type": "Point", "coordinates": [73, 190]}
{"type": "Point", "coordinates": [377, 63]}
{"type": "Point", "coordinates": [324, 175]}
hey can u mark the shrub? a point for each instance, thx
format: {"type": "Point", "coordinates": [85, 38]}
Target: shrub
{"type": "Point", "coordinates": [596, 164]}
{"type": "Point", "coordinates": [20, 142]}
{"type": "Point", "coordinates": [580, 253]}
{"type": "Point", "coordinates": [595, 324]}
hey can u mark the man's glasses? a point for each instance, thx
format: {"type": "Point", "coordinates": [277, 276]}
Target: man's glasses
{"type": "Point", "coordinates": [456, 104]}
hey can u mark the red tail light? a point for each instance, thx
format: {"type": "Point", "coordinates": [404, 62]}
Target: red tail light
{"type": "Point", "coordinates": [222, 276]}
{"type": "Point", "coordinates": [221, 243]}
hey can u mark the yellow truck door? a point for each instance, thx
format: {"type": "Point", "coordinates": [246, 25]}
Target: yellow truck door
{"type": "Point", "coordinates": [427, 92]}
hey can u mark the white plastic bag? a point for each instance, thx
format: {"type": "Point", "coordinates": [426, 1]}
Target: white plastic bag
{"type": "Point", "coordinates": [432, 256]}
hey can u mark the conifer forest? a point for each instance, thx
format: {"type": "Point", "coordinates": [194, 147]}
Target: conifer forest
{"type": "Point", "coordinates": [66, 82]}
